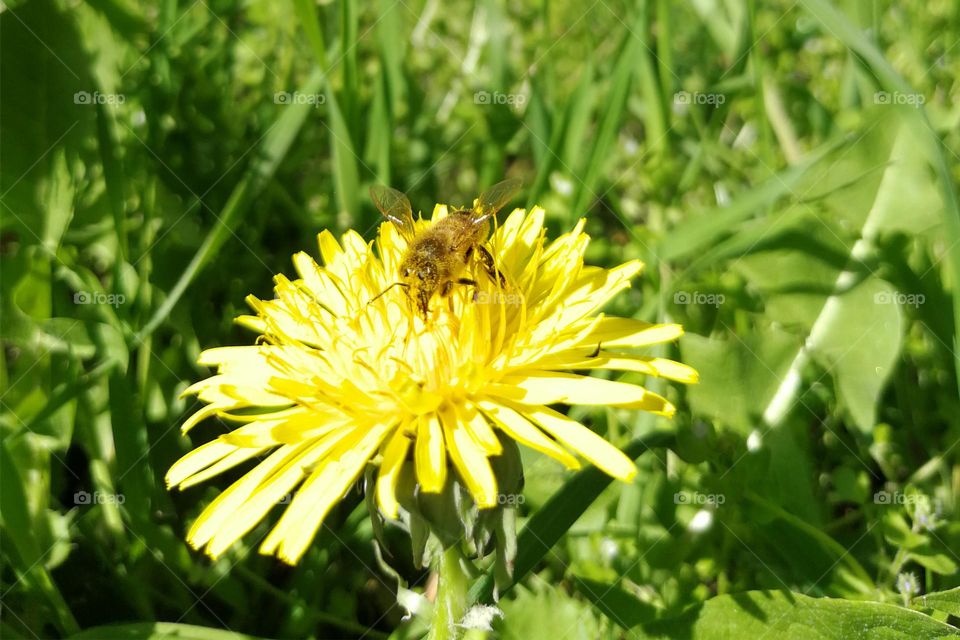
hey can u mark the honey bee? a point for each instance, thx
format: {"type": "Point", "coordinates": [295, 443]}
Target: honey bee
{"type": "Point", "coordinates": [437, 258]}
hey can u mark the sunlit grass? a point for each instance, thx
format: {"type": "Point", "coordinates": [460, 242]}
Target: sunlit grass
{"type": "Point", "coordinates": [786, 172]}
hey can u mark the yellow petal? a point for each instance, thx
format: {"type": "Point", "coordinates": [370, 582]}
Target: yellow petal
{"type": "Point", "coordinates": [319, 493]}
{"type": "Point", "coordinates": [226, 504]}
{"type": "Point", "coordinates": [430, 455]}
{"type": "Point", "coordinates": [393, 459]}
{"type": "Point", "coordinates": [197, 460]}
{"type": "Point", "coordinates": [660, 367]}
{"type": "Point", "coordinates": [246, 356]}
{"type": "Point", "coordinates": [330, 249]}
{"type": "Point", "coordinates": [550, 387]}
{"type": "Point", "coordinates": [268, 494]}
{"type": "Point", "coordinates": [582, 440]}
{"type": "Point", "coordinates": [307, 426]}
{"type": "Point", "coordinates": [515, 239]}
{"type": "Point", "coordinates": [228, 462]}
{"type": "Point", "coordinates": [480, 429]}
{"type": "Point", "coordinates": [290, 428]}
{"type": "Point", "coordinates": [201, 415]}
{"type": "Point", "coordinates": [648, 365]}
{"type": "Point", "coordinates": [322, 285]}
{"type": "Point", "coordinates": [518, 428]}
{"type": "Point", "coordinates": [594, 289]}
{"type": "Point", "coordinates": [625, 332]}
{"type": "Point", "coordinates": [253, 323]}
{"type": "Point", "coordinates": [470, 461]}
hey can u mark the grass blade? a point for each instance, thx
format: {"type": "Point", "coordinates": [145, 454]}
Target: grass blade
{"type": "Point", "coordinates": [695, 234]}
{"type": "Point", "coordinates": [610, 121]}
{"type": "Point", "coordinates": [345, 159]}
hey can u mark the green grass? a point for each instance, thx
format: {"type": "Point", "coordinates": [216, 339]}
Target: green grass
{"type": "Point", "coordinates": [786, 171]}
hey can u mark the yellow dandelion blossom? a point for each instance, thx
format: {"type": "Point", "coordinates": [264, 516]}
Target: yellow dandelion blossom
{"type": "Point", "coordinates": [336, 382]}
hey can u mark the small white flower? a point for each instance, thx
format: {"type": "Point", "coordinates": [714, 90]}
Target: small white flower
{"type": "Point", "coordinates": [480, 617]}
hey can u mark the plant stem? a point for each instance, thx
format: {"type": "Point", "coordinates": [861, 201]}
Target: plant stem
{"type": "Point", "coordinates": [451, 603]}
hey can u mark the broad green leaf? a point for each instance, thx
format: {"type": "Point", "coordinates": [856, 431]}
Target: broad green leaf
{"type": "Point", "coordinates": [861, 348]}
{"type": "Point", "coordinates": [839, 26]}
{"type": "Point", "coordinates": [738, 374]}
{"type": "Point", "coordinates": [158, 631]}
{"type": "Point", "coordinates": [947, 601]}
{"type": "Point", "coordinates": [793, 616]}
{"type": "Point", "coordinates": [856, 339]}
{"type": "Point", "coordinates": [795, 268]}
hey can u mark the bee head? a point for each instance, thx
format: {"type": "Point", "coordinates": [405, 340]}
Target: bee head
{"type": "Point", "coordinates": [422, 279]}
{"type": "Point", "coordinates": [418, 273]}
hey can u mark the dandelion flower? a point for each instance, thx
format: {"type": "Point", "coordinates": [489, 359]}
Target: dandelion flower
{"type": "Point", "coordinates": [336, 382]}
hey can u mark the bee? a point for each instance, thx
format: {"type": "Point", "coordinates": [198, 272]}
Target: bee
{"type": "Point", "coordinates": [437, 258]}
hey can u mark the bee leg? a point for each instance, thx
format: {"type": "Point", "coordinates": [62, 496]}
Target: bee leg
{"type": "Point", "coordinates": [469, 283]}
{"type": "Point", "coordinates": [486, 259]}
{"type": "Point", "coordinates": [447, 287]}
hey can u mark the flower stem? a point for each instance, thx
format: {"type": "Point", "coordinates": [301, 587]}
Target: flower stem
{"type": "Point", "coordinates": [451, 603]}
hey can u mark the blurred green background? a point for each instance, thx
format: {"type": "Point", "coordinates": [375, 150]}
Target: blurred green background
{"type": "Point", "coordinates": [785, 169]}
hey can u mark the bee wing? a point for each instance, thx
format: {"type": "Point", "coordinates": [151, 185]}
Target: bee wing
{"type": "Point", "coordinates": [493, 199]}
{"type": "Point", "coordinates": [395, 207]}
